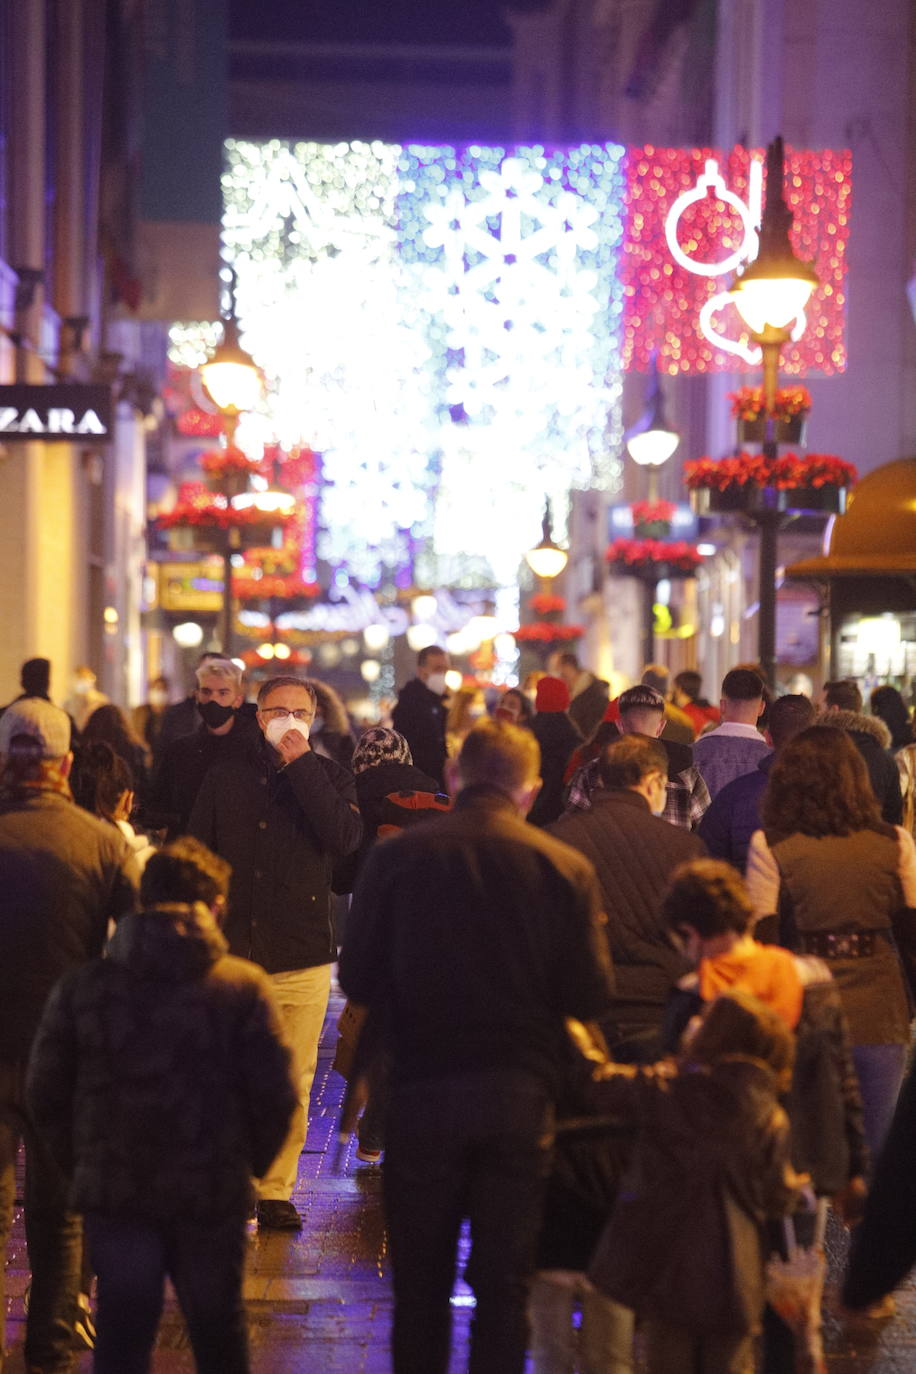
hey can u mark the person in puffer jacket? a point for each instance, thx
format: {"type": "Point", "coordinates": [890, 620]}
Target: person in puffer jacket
{"type": "Point", "coordinates": [161, 1083]}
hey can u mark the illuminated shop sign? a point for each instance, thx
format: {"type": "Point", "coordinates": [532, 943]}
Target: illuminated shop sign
{"type": "Point", "coordinates": [49, 414]}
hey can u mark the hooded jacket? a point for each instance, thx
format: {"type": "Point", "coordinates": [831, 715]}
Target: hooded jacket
{"type": "Point", "coordinates": [684, 1242]}
{"type": "Point", "coordinates": [873, 740]}
{"type": "Point", "coordinates": [159, 1077]}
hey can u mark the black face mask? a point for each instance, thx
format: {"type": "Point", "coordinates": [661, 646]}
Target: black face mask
{"type": "Point", "coordinates": [213, 715]}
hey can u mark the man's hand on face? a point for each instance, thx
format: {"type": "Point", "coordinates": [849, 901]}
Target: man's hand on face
{"type": "Point", "coordinates": [292, 745]}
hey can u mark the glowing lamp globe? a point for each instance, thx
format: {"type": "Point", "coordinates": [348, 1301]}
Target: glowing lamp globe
{"type": "Point", "coordinates": [774, 289]}
{"type": "Point", "coordinates": [652, 447]}
{"type": "Point", "coordinates": [370, 669]}
{"type": "Point", "coordinates": [231, 377]}
{"type": "Point", "coordinates": [773, 296]}
{"type": "Point", "coordinates": [546, 560]}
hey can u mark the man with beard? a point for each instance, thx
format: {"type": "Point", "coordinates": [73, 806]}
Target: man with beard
{"type": "Point", "coordinates": [224, 732]}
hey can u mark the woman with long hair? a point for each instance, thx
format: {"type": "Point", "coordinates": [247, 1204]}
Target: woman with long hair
{"type": "Point", "coordinates": [841, 884]}
{"type": "Point", "coordinates": [109, 724]}
{"type": "Point", "coordinates": [889, 706]}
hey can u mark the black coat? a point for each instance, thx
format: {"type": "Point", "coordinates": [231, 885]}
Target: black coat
{"type": "Point", "coordinates": [182, 767]}
{"type": "Point", "coordinates": [64, 874]}
{"type": "Point", "coordinates": [558, 737]}
{"type": "Point", "coordinates": [282, 830]}
{"type": "Point", "coordinates": [419, 716]}
{"type": "Point", "coordinates": [160, 1078]}
{"type": "Point", "coordinates": [634, 854]}
{"type": "Point", "coordinates": [478, 935]}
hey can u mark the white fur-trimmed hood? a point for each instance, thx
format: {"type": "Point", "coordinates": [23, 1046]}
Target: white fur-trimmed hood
{"type": "Point", "coordinates": [855, 720]}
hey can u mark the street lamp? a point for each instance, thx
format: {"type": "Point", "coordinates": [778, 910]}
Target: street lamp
{"type": "Point", "coordinates": [232, 381]}
{"type": "Point", "coordinates": [652, 439]}
{"type": "Point", "coordinates": [231, 378]}
{"type": "Point", "coordinates": [546, 560]}
{"type": "Point", "coordinates": [650, 443]}
{"type": "Point", "coordinates": [770, 293]}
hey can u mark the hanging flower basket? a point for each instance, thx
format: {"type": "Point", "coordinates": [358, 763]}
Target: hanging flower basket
{"type": "Point", "coordinates": [652, 559]}
{"type": "Point", "coordinates": [752, 483]}
{"type": "Point", "coordinates": [547, 635]}
{"type": "Point", "coordinates": [652, 519]}
{"type": "Point", "coordinates": [785, 431]}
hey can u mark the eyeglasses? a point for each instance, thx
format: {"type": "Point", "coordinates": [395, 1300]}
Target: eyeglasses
{"type": "Point", "coordinates": [274, 712]}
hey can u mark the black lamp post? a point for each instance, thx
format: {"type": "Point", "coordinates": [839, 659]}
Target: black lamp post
{"type": "Point", "coordinates": [650, 443]}
{"type": "Point", "coordinates": [770, 293]}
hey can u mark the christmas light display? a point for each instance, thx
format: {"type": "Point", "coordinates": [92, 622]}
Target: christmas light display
{"type": "Point", "coordinates": [449, 326]}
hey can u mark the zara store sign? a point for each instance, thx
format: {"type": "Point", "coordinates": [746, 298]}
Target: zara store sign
{"type": "Point", "coordinates": [50, 414]}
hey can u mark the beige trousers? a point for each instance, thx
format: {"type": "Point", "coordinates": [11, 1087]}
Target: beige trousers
{"type": "Point", "coordinates": [303, 999]}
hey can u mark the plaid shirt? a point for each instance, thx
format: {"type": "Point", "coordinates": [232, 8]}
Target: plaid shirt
{"type": "Point", "coordinates": [685, 806]}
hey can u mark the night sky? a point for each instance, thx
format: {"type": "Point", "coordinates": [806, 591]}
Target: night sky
{"type": "Point", "coordinates": [375, 21]}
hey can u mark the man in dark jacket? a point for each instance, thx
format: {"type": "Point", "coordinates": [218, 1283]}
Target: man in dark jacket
{"type": "Point", "coordinates": [63, 876]}
{"type": "Point", "coordinates": [557, 738]}
{"type": "Point", "coordinates": [474, 937]}
{"type": "Point", "coordinates": [843, 703]}
{"type": "Point", "coordinates": [731, 820]}
{"type": "Point", "coordinates": [226, 728]}
{"type": "Point", "coordinates": [420, 712]}
{"type": "Point", "coordinates": [588, 693]}
{"type": "Point", "coordinates": [283, 815]}
{"type": "Point", "coordinates": [634, 854]}
{"type": "Point", "coordinates": [161, 1083]}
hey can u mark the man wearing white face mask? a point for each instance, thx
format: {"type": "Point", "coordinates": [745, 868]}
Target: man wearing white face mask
{"type": "Point", "coordinates": [282, 815]}
{"type": "Point", "coordinates": [634, 853]}
{"type": "Point", "coordinates": [420, 714]}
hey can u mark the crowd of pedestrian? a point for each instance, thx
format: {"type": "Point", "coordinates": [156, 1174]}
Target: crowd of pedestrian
{"type": "Point", "coordinates": [630, 987]}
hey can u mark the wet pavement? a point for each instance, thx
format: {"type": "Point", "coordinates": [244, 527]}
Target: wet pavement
{"type": "Point", "coordinates": [320, 1301]}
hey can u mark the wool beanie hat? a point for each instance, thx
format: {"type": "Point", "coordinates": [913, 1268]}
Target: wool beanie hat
{"type": "Point", "coordinates": [552, 695]}
{"type": "Point", "coordinates": [379, 745]}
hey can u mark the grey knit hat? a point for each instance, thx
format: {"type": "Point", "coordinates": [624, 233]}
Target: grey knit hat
{"type": "Point", "coordinates": [379, 745]}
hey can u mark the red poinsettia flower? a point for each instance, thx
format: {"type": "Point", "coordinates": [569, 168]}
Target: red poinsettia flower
{"type": "Point", "coordinates": [747, 402]}
{"type": "Point", "coordinates": [788, 471]}
{"type": "Point", "coordinates": [547, 603]}
{"type": "Point", "coordinates": [642, 555]}
{"type": "Point", "coordinates": [653, 512]}
{"type": "Point", "coordinates": [543, 632]}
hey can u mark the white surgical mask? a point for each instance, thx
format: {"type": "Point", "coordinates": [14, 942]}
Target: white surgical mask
{"type": "Point", "coordinates": [277, 727]}
{"type": "Point", "coordinates": [436, 683]}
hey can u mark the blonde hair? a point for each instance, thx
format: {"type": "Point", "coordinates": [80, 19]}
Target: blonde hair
{"type": "Point", "coordinates": [222, 668]}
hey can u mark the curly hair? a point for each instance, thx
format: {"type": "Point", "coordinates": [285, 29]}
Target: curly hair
{"type": "Point", "coordinates": [709, 896]}
{"type": "Point", "coordinates": [818, 786]}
